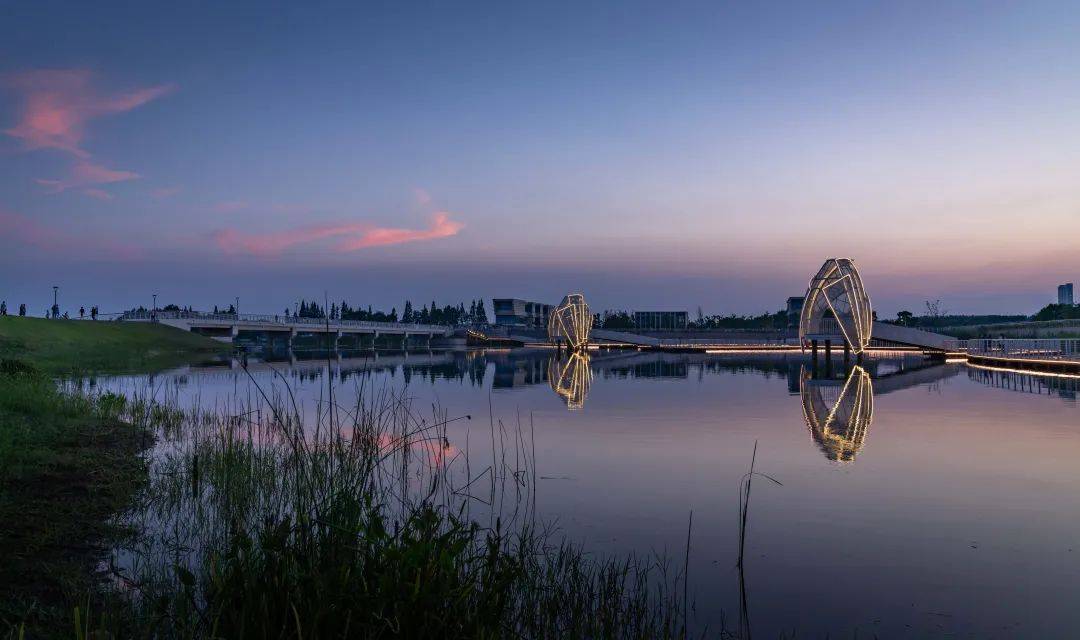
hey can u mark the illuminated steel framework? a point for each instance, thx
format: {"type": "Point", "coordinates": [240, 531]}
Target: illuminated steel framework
{"type": "Point", "coordinates": [571, 322]}
{"type": "Point", "coordinates": [571, 378]}
{"type": "Point", "coordinates": [838, 415]}
{"type": "Point", "coordinates": [837, 304]}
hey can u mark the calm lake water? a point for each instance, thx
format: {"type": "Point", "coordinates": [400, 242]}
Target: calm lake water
{"type": "Point", "coordinates": [918, 499]}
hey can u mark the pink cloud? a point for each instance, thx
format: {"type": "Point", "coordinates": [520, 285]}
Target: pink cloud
{"type": "Point", "coordinates": [86, 173]}
{"type": "Point", "coordinates": [351, 237]}
{"type": "Point", "coordinates": [25, 233]}
{"type": "Point", "coordinates": [99, 194]}
{"type": "Point", "coordinates": [58, 103]}
{"type": "Point", "coordinates": [441, 227]}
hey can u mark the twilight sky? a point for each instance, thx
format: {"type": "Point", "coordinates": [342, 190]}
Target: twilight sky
{"type": "Point", "coordinates": [652, 155]}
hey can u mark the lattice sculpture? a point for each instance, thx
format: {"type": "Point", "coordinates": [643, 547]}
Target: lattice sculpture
{"type": "Point", "coordinates": [838, 414]}
{"type": "Point", "coordinates": [836, 304]}
{"type": "Point", "coordinates": [571, 322]}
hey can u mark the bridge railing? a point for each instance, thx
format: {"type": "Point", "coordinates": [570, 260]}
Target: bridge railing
{"type": "Point", "coordinates": [269, 319]}
{"type": "Point", "coordinates": [1052, 349]}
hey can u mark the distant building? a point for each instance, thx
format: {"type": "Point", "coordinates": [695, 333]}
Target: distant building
{"type": "Point", "coordinates": [513, 312]}
{"type": "Point", "coordinates": [660, 320]}
{"type": "Point", "coordinates": [794, 310]}
{"type": "Point", "coordinates": [1065, 293]}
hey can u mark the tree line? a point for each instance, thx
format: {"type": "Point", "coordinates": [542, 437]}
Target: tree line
{"type": "Point", "coordinates": [475, 313]}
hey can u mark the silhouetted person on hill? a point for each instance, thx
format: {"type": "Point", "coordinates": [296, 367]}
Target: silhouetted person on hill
{"type": "Point", "coordinates": [22, 309]}
{"type": "Point", "coordinates": [82, 312]}
{"type": "Point", "coordinates": [55, 311]}
{"type": "Point", "coordinates": [3, 308]}
{"type": "Point", "coordinates": [93, 312]}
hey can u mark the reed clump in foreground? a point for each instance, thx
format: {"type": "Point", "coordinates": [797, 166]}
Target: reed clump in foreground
{"type": "Point", "coordinates": [368, 524]}
{"type": "Point", "coordinates": [68, 461]}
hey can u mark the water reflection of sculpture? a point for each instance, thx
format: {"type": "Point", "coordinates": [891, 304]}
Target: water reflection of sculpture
{"type": "Point", "coordinates": [838, 413]}
{"type": "Point", "coordinates": [571, 378]}
{"type": "Point", "coordinates": [571, 322]}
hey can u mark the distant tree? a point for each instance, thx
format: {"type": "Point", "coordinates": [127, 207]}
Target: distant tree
{"type": "Point", "coordinates": [903, 318]}
{"type": "Point", "coordinates": [481, 312]}
{"type": "Point", "coordinates": [407, 314]}
{"type": "Point", "coordinates": [934, 310]}
{"type": "Point", "coordinates": [1057, 312]}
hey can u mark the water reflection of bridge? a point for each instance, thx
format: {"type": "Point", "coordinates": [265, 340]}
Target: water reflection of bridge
{"type": "Point", "coordinates": [570, 378]}
{"type": "Point", "coordinates": [1065, 387]}
{"type": "Point", "coordinates": [304, 367]}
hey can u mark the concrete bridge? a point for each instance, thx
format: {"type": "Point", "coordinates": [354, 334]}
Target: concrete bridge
{"type": "Point", "coordinates": [226, 327]}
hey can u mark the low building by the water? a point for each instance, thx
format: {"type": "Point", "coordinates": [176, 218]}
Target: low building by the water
{"type": "Point", "coordinates": [794, 310]}
{"type": "Point", "coordinates": [660, 320]}
{"type": "Point", "coordinates": [514, 312]}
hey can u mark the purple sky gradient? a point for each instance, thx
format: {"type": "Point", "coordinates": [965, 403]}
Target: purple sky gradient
{"type": "Point", "coordinates": [679, 156]}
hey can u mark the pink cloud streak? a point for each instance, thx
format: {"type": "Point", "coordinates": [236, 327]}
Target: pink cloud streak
{"type": "Point", "coordinates": [57, 104]}
{"type": "Point", "coordinates": [25, 233]}
{"type": "Point", "coordinates": [86, 173]}
{"type": "Point", "coordinates": [352, 237]}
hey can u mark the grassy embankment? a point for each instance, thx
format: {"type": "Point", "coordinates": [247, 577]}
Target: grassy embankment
{"type": "Point", "coordinates": [79, 346]}
{"type": "Point", "coordinates": [67, 460]}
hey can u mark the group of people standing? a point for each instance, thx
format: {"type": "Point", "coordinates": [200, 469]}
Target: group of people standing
{"type": "Point", "coordinates": [52, 312]}
{"type": "Point", "coordinates": [3, 308]}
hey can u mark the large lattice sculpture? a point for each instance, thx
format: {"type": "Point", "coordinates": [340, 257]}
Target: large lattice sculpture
{"type": "Point", "coordinates": [838, 415]}
{"type": "Point", "coordinates": [836, 304]}
{"type": "Point", "coordinates": [571, 378]}
{"type": "Point", "coordinates": [571, 322]}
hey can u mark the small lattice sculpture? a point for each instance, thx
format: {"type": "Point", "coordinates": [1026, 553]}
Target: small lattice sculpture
{"type": "Point", "coordinates": [836, 303]}
{"type": "Point", "coordinates": [571, 322]}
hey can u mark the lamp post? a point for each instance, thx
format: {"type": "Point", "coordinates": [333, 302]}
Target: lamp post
{"type": "Point", "coordinates": [155, 302]}
{"type": "Point", "coordinates": [55, 304]}
{"type": "Point", "coordinates": [237, 307]}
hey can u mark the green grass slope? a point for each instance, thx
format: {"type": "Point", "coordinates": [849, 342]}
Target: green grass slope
{"type": "Point", "coordinates": [59, 346]}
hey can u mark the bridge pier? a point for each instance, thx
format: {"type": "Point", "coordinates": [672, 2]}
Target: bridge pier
{"type": "Point", "coordinates": [813, 348]}
{"type": "Point", "coordinates": [847, 351]}
{"type": "Point", "coordinates": [828, 350]}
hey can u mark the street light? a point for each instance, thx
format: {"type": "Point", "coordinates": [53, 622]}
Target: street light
{"type": "Point", "coordinates": [155, 302]}
{"type": "Point", "coordinates": [237, 306]}
{"type": "Point", "coordinates": [55, 305]}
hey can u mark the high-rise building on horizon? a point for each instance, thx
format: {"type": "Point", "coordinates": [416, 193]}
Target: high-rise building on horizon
{"type": "Point", "coordinates": [1065, 293]}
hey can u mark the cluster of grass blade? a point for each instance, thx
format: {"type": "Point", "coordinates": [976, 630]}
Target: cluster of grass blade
{"type": "Point", "coordinates": [68, 460]}
{"type": "Point", "coordinates": [365, 523]}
